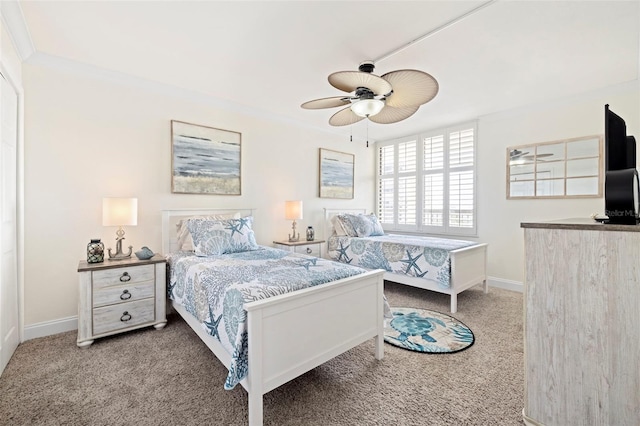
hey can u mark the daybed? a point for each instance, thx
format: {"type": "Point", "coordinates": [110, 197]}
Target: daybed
{"type": "Point", "coordinates": [443, 265]}
{"type": "Point", "coordinates": [279, 337]}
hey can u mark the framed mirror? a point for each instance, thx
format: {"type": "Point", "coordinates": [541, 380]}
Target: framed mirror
{"type": "Point", "coordinates": [570, 168]}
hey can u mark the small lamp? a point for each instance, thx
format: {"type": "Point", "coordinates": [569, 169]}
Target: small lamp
{"type": "Point", "coordinates": [293, 211]}
{"type": "Point", "coordinates": [119, 212]}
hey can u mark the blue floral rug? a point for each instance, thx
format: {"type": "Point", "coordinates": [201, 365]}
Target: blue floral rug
{"type": "Point", "coordinates": [422, 330]}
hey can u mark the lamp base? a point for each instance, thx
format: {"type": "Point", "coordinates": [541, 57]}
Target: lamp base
{"type": "Point", "coordinates": [295, 238]}
{"type": "Point", "coordinates": [119, 255]}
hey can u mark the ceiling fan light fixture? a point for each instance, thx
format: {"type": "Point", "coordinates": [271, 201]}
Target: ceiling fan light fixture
{"type": "Point", "coordinates": [367, 107]}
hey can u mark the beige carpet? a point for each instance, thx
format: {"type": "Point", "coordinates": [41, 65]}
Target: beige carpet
{"type": "Point", "coordinates": [169, 377]}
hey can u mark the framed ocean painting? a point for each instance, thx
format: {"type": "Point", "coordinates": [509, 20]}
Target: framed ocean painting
{"type": "Point", "coordinates": [204, 160]}
{"type": "Point", "coordinates": [336, 174]}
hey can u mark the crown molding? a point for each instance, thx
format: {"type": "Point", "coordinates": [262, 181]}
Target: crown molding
{"type": "Point", "coordinates": [13, 18]}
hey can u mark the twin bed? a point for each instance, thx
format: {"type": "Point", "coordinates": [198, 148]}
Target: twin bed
{"type": "Point", "coordinates": [284, 335]}
{"type": "Point", "coordinates": [438, 264]}
{"type": "Point", "coordinates": [282, 313]}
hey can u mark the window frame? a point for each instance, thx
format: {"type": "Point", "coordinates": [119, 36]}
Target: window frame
{"type": "Point", "coordinates": [447, 171]}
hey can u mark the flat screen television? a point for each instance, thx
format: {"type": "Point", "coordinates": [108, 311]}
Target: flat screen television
{"type": "Point", "coordinates": [620, 149]}
{"type": "Point", "coordinates": [621, 189]}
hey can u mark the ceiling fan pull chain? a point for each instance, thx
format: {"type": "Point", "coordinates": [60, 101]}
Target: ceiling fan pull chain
{"type": "Point", "coordinates": [351, 133]}
{"type": "Point", "coordinates": [367, 133]}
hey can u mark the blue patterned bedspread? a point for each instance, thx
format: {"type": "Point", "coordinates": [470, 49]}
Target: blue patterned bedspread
{"type": "Point", "coordinates": [214, 289]}
{"type": "Point", "coordinates": [421, 257]}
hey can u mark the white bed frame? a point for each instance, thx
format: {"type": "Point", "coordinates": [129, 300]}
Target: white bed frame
{"type": "Point", "coordinates": [468, 265]}
{"type": "Point", "coordinates": [326, 321]}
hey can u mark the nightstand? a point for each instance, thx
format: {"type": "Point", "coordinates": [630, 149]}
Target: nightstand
{"type": "Point", "coordinates": [120, 295]}
{"type": "Point", "coordinates": [312, 248]}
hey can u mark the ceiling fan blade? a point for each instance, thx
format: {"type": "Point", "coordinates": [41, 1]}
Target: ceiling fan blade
{"type": "Point", "coordinates": [349, 81]}
{"type": "Point", "coordinates": [410, 88]}
{"type": "Point", "coordinates": [344, 117]}
{"type": "Point", "coordinates": [335, 101]}
{"type": "Point", "coordinates": [390, 114]}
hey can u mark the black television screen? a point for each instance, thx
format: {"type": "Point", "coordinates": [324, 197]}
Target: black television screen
{"type": "Point", "coordinates": [620, 150]}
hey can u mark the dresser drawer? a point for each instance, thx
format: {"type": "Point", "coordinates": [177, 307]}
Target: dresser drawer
{"type": "Point", "coordinates": [309, 249]}
{"type": "Point", "coordinates": [124, 275]}
{"type": "Point", "coordinates": [122, 293]}
{"type": "Point", "coordinates": [116, 317]}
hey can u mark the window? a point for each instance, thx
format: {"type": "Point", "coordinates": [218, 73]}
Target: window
{"type": "Point", "coordinates": [426, 183]}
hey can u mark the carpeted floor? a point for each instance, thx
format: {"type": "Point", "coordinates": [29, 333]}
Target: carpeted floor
{"type": "Point", "coordinates": [170, 377]}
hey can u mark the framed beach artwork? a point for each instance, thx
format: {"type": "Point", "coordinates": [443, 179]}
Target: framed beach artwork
{"type": "Point", "coordinates": [336, 174]}
{"type": "Point", "coordinates": [205, 160]}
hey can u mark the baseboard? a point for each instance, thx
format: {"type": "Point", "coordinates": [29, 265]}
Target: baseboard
{"type": "Point", "coordinates": [506, 284]}
{"type": "Point", "coordinates": [48, 328]}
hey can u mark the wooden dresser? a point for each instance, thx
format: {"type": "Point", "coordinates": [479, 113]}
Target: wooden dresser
{"type": "Point", "coordinates": [582, 323]}
{"type": "Point", "coordinates": [120, 295]}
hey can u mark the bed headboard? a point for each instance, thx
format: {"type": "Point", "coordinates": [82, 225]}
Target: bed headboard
{"type": "Point", "coordinates": [329, 213]}
{"type": "Point", "coordinates": [171, 217]}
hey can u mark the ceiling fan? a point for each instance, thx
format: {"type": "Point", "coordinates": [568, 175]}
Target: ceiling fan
{"type": "Point", "coordinates": [387, 99]}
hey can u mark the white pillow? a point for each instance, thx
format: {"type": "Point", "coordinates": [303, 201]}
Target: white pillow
{"type": "Point", "coordinates": [185, 241]}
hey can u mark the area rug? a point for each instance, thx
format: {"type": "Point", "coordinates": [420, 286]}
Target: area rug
{"type": "Point", "coordinates": [422, 330]}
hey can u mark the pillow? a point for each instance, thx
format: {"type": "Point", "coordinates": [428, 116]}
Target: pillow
{"type": "Point", "coordinates": [214, 237]}
{"type": "Point", "coordinates": [366, 225]}
{"type": "Point", "coordinates": [337, 226]}
{"type": "Point", "coordinates": [345, 223]}
{"type": "Point", "coordinates": [185, 242]}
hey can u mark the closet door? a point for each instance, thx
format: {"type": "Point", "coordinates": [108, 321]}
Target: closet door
{"type": "Point", "coordinates": [9, 321]}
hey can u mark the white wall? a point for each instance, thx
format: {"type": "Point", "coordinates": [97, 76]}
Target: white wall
{"type": "Point", "coordinates": [88, 138]}
{"type": "Point", "coordinates": [498, 218]}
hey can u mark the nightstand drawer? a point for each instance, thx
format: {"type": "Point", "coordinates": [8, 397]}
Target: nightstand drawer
{"type": "Point", "coordinates": [124, 275]}
{"type": "Point", "coordinates": [121, 294]}
{"type": "Point", "coordinates": [309, 249]}
{"type": "Point", "coordinates": [123, 315]}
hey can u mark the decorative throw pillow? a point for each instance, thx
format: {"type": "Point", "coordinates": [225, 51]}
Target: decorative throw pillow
{"type": "Point", "coordinates": [214, 237]}
{"type": "Point", "coordinates": [185, 242]}
{"type": "Point", "coordinates": [347, 227]}
{"type": "Point", "coordinates": [337, 226]}
{"type": "Point", "coordinates": [366, 225]}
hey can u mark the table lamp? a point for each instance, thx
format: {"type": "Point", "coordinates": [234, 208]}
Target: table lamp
{"type": "Point", "coordinates": [293, 211]}
{"type": "Point", "coordinates": [119, 212]}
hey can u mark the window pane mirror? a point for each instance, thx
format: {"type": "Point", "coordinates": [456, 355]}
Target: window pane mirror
{"type": "Point", "coordinates": [570, 168]}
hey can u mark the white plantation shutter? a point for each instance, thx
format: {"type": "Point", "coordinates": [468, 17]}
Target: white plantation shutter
{"type": "Point", "coordinates": [385, 201]}
{"type": "Point", "coordinates": [461, 199]}
{"type": "Point", "coordinates": [461, 178]}
{"type": "Point", "coordinates": [407, 200]}
{"type": "Point", "coordinates": [433, 209]}
{"type": "Point", "coordinates": [406, 190]}
{"type": "Point", "coordinates": [429, 186]}
{"type": "Point", "coordinates": [386, 193]}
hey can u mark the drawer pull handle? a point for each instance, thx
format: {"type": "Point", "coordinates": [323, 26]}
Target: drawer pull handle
{"type": "Point", "coordinates": [309, 251]}
{"type": "Point", "coordinates": [125, 277]}
{"type": "Point", "coordinates": [125, 316]}
{"type": "Point", "coordinates": [125, 295]}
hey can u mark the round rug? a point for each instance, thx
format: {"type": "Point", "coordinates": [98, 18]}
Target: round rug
{"type": "Point", "coordinates": [422, 330]}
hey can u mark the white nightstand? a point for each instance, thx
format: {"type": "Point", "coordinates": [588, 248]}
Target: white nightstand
{"type": "Point", "coordinates": [312, 248]}
{"type": "Point", "coordinates": [120, 295]}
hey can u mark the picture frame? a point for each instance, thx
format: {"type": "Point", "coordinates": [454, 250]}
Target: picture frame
{"type": "Point", "coordinates": [205, 160]}
{"type": "Point", "coordinates": [336, 174]}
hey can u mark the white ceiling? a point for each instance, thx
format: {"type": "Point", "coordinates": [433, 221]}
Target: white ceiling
{"type": "Point", "coordinates": [268, 57]}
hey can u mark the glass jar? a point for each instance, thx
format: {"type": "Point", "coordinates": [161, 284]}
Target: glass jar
{"type": "Point", "coordinates": [310, 233]}
{"type": "Point", "coordinates": [95, 251]}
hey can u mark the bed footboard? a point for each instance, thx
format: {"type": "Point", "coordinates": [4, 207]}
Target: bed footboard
{"type": "Point", "coordinates": [296, 332]}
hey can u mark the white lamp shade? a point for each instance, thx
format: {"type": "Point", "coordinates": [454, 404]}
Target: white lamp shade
{"type": "Point", "coordinates": [119, 211]}
{"type": "Point", "coordinates": [293, 210]}
{"type": "Point", "coordinates": [367, 107]}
